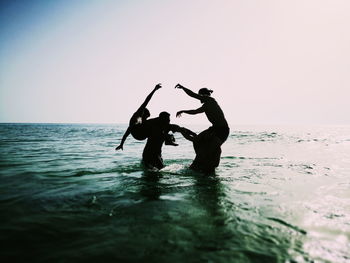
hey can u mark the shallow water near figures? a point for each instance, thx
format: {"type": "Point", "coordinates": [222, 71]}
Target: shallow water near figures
{"type": "Point", "coordinates": [280, 194]}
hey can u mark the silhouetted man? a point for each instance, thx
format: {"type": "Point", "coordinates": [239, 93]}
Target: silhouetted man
{"type": "Point", "coordinates": [158, 129]}
{"type": "Point", "coordinates": [207, 143]}
{"type": "Point", "coordinates": [137, 126]}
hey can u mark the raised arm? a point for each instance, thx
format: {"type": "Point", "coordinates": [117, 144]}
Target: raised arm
{"type": "Point", "coordinates": [126, 134]}
{"type": "Point", "coordinates": [192, 112]}
{"type": "Point", "coordinates": [190, 92]}
{"type": "Point", "coordinates": [148, 98]}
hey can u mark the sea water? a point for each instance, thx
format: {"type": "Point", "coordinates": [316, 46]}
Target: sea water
{"type": "Point", "coordinates": [280, 194]}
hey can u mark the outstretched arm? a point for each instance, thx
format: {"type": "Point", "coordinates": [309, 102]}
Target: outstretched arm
{"type": "Point", "coordinates": [192, 112]}
{"type": "Point", "coordinates": [188, 134]}
{"type": "Point", "coordinates": [190, 92]}
{"type": "Point", "coordinates": [126, 134]}
{"type": "Point", "coordinates": [148, 98]}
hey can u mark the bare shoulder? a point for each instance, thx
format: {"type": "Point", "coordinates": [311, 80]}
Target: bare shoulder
{"type": "Point", "coordinates": [210, 104]}
{"type": "Point", "coordinates": [208, 99]}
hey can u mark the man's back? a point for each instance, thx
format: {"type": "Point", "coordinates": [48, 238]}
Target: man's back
{"type": "Point", "coordinates": [152, 153]}
{"type": "Point", "coordinates": [214, 113]}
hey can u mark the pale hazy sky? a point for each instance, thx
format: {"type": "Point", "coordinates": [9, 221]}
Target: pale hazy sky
{"type": "Point", "coordinates": [268, 62]}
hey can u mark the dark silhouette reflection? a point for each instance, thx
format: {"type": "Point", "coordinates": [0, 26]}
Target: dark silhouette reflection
{"type": "Point", "coordinates": [151, 189]}
{"type": "Point", "coordinates": [208, 143]}
{"type": "Point", "coordinates": [211, 196]}
{"type": "Point", "coordinates": [215, 237]}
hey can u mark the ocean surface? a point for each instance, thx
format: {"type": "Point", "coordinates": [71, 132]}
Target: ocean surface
{"type": "Point", "coordinates": [280, 194]}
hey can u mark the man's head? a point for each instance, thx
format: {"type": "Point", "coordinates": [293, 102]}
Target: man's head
{"type": "Point", "coordinates": [164, 117]}
{"type": "Point", "coordinates": [205, 92]}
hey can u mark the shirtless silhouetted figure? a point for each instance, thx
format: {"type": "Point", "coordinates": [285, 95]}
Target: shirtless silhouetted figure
{"type": "Point", "coordinates": [158, 129]}
{"type": "Point", "coordinates": [207, 144]}
{"type": "Point", "coordinates": [137, 126]}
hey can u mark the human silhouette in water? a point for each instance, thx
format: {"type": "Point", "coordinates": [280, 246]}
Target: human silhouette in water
{"type": "Point", "coordinates": [137, 127]}
{"type": "Point", "coordinates": [207, 144]}
{"type": "Point", "coordinates": [158, 129]}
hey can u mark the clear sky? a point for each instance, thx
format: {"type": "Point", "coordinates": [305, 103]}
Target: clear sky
{"type": "Point", "coordinates": [268, 62]}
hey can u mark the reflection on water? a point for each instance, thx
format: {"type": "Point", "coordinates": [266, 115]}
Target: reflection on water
{"type": "Point", "coordinates": [278, 196]}
{"type": "Point", "coordinates": [151, 189]}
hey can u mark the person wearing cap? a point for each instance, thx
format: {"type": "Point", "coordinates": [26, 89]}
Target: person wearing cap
{"type": "Point", "coordinates": [137, 127]}
{"type": "Point", "coordinates": [207, 143]}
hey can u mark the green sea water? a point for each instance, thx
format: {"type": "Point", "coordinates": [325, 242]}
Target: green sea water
{"type": "Point", "coordinates": [280, 194]}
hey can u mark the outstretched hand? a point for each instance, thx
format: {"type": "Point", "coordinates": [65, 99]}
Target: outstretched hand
{"type": "Point", "coordinates": [178, 114]}
{"type": "Point", "coordinates": [179, 86]}
{"type": "Point", "coordinates": [120, 147]}
{"type": "Point", "coordinates": [158, 86]}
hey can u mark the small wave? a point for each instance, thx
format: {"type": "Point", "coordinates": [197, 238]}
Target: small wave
{"type": "Point", "coordinates": [280, 221]}
{"type": "Point", "coordinates": [303, 168]}
{"type": "Point", "coordinates": [249, 158]}
{"type": "Point", "coordinates": [118, 170]}
{"type": "Point", "coordinates": [256, 136]}
{"type": "Point", "coordinates": [233, 157]}
{"type": "Point", "coordinates": [174, 168]}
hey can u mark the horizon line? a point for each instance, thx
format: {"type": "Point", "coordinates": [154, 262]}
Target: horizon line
{"type": "Point", "coordinates": [231, 125]}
